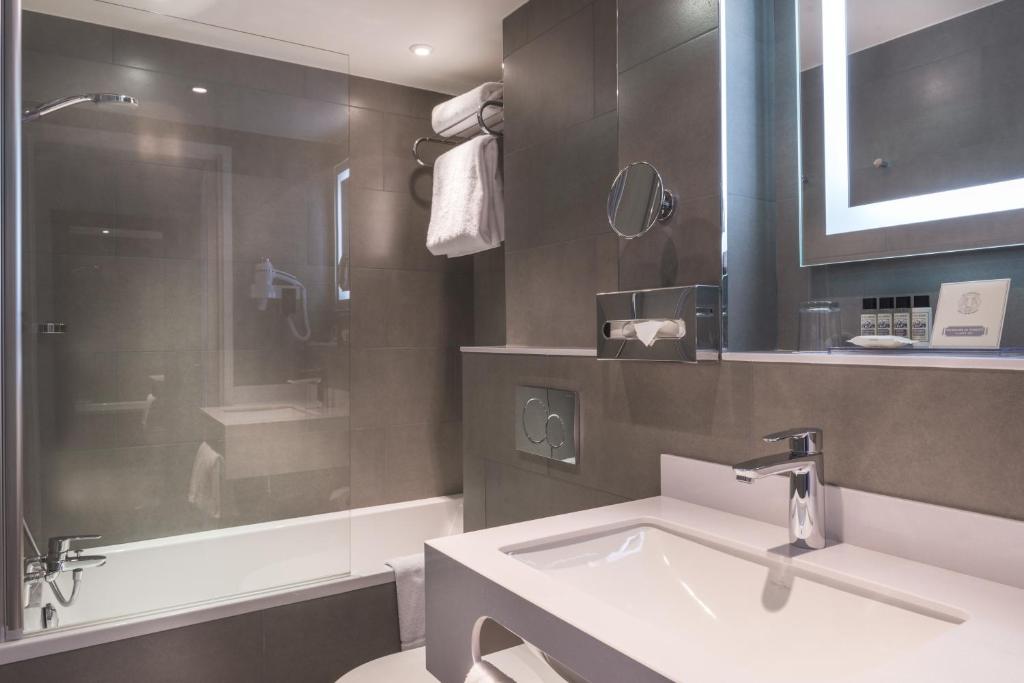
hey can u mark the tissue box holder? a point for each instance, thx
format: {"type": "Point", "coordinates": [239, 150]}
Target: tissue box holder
{"type": "Point", "coordinates": [688, 322]}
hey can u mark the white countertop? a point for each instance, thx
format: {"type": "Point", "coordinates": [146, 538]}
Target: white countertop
{"type": "Point", "coordinates": [988, 646]}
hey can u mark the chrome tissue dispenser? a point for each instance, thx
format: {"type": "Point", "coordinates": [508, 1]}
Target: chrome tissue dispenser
{"type": "Point", "coordinates": [681, 324]}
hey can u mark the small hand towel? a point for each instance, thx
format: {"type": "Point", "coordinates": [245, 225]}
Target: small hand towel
{"type": "Point", "coordinates": [204, 489]}
{"type": "Point", "coordinates": [457, 117]}
{"type": "Point", "coordinates": [467, 214]}
{"type": "Point", "coordinates": [409, 583]}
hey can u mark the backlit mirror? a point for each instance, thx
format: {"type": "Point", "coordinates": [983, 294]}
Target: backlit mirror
{"type": "Point", "coordinates": [912, 129]}
{"type": "Point", "coordinates": [638, 199]}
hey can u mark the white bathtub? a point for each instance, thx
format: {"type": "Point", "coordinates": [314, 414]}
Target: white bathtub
{"type": "Point", "coordinates": [150, 586]}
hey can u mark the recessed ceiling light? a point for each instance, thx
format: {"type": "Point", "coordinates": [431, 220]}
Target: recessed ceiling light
{"type": "Point", "coordinates": [199, 90]}
{"type": "Point", "coordinates": [421, 50]}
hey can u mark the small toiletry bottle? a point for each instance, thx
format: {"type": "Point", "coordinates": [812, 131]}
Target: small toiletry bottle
{"type": "Point", "coordinates": [884, 327]}
{"type": "Point", "coordinates": [921, 320]}
{"type": "Point", "coordinates": [901, 317]}
{"type": "Point", "coordinates": [869, 317]}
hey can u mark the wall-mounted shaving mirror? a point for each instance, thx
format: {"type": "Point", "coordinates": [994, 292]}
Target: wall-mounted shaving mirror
{"type": "Point", "coordinates": [911, 127]}
{"type": "Point", "coordinates": [638, 199]}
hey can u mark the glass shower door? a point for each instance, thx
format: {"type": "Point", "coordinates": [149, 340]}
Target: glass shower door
{"type": "Point", "coordinates": [185, 312]}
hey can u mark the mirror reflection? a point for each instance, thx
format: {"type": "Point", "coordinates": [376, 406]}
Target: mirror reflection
{"type": "Point", "coordinates": [638, 199]}
{"type": "Point", "coordinates": [929, 107]}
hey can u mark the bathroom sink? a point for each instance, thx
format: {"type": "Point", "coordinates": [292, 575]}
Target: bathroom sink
{"type": "Point", "coordinates": [756, 611]}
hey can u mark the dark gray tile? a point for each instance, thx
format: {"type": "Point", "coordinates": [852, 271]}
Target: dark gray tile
{"type": "Point", "coordinates": [223, 651]}
{"type": "Point", "coordinates": [489, 297]}
{"type": "Point", "coordinates": [681, 136]}
{"type": "Point", "coordinates": [404, 386]}
{"type": "Point", "coordinates": [554, 288]}
{"type": "Point", "coordinates": [606, 73]}
{"type": "Point", "coordinates": [422, 460]}
{"type": "Point", "coordinates": [557, 190]}
{"type": "Point", "coordinates": [392, 98]}
{"type": "Point", "coordinates": [650, 27]}
{"type": "Point", "coordinates": [321, 640]}
{"type": "Point", "coordinates": [197, 62]}
{"type": "Point", "coordinates": [533, 19]}
{"type": "Point", "coordinates": [389, 230]}
{"type": "Point", "coordinates": [369, 468]}
{"type": "Point", "coordinates": [367, 143]}
{"type": "Point", "coordinates": [322, 84]}
{"type": "Point", "coordinates": [549, 83]}
{"type": "Point", "coordinates": [515, 495]}
{"type": "Point", "coordinates": [77, 39]}
{"type": "Point", "coordinates": [685, 250]}
{"type": "Point", "coordinates": [401, 172]}
{"type": "Point", "coordinates": [411, 308]}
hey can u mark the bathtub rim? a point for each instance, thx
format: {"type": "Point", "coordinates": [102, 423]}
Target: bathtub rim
{"type": "Point", "coordinates": [43, 643]}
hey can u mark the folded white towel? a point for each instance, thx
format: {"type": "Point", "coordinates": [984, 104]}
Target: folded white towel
{"type": "Point", "coordinates": [468, 210]}
{"type": "Point", "coordinates": [457, 117]}
{"type": "Point", "coordinates": [204, 489]}
{"type": "Point", "coordinates": [409, 584]}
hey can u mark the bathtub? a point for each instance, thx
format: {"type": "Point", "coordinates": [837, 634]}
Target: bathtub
{"type": "Point", "coordinates": [150, 586]}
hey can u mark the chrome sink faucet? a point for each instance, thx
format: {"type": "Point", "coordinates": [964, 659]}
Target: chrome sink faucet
{"type": "Point", "coordinates": [806, 469]}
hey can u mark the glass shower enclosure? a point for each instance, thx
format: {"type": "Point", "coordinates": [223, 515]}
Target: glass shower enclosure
{"type": "Point", "coordinates": [176, 312]}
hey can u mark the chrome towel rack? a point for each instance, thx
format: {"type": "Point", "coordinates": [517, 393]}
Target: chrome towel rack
{"type": "Point", "coordinates": [480, 122]}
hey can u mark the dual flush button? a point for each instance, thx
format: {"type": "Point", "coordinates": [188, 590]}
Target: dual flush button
{"type": "Point", "coordinates": [547, 423]}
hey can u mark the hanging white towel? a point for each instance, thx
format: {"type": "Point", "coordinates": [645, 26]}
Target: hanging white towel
{"type": "Point", "coordinates": [468, 210]}
{"type": "Point", "coordinates": [409, 583]}
{"type": "Point", "coordinates": [204, 489]}
{"type": "Point", "coordinates": [457, 117]}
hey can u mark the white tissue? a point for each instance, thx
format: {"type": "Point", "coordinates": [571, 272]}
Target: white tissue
{"type": "Point", "coordinates": [647, 331]}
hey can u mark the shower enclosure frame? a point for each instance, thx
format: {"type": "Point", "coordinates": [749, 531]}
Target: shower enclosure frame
{"type": "Point", "coordinates": [11, 324]}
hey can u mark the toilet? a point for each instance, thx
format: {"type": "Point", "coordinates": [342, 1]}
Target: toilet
{"type": "Point", "coordinates": [519, 663]}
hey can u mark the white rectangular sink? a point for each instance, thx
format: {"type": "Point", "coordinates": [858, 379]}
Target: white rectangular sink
{"type": "Point", "coordinates": [758, 613]}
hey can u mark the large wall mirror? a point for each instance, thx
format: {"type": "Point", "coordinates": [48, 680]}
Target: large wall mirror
{"type": "Point", "coordinates": [912, 127]}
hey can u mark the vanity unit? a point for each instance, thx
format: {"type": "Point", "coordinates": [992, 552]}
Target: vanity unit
{"type": "Point", "coordinates": [671, 589]}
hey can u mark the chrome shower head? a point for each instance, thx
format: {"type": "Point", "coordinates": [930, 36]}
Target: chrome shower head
{"type": "Point", "coordinates": [96, 98]}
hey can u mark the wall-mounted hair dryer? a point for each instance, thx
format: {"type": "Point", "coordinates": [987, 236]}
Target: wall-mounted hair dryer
{"type": "Point", "coordinates": [268, 283]}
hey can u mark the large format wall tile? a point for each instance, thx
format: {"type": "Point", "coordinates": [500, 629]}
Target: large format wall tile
{"type": "Point", "coordinates": [556, 191]}
{"type": "Point", "coordinates": [549, 83]}
{"type": "Point", "coordinates": [553, 291]}
{"type": "Point", "coordinates": [930, 435]}
{"type": "Point", "coordinates": [650, 27]}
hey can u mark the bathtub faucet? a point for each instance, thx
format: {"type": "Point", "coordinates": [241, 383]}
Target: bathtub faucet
{"type": "Point", "coordinates": [60, 558]}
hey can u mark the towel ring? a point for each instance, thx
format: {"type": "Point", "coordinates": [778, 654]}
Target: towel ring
{"type": "Point", "coordinates": [480, 117]}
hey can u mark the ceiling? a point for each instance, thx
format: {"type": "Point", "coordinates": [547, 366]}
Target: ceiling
{"type": "Point", "coordinates": [368, 38]}
{"type": "Point", "coordinates": [872, 22]}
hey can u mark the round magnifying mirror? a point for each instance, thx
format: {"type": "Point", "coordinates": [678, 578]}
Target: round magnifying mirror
{"type": "Point", "coordinates": [638, 199]}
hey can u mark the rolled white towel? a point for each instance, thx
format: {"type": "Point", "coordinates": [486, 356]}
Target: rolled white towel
{"type": "Point", "coordinates": [457, 117]}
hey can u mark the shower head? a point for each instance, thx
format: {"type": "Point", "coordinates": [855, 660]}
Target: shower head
{"type": "Point", "coordinates": [96, 98]}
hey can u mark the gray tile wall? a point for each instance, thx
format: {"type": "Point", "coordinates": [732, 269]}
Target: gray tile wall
{"type": "Point", "coordinates": [410, 310]}
{"type": "Point", "coordinates": [316, 641]}
{"type": "Point", "coordinates": [560, 158]}
{"type": "Point", "coordinates": [669, 99]}
{"type": "Point", "coordinates": [947, 437]}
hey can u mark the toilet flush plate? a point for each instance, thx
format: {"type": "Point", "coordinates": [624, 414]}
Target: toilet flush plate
{"type": "Point", "coordinates": [547, 424]}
